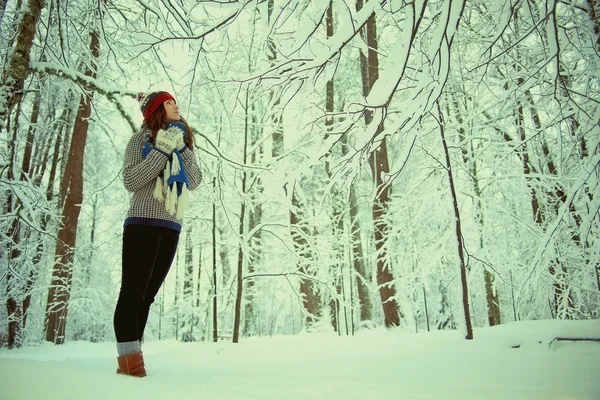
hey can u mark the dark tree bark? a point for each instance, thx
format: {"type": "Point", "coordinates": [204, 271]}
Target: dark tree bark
{"type": "Point", "coordinates": [71, 197]}
{"type": "Point", "coordinates": [459, 235]}
{"type": "Point", "coordinates": [491, 291]}
{"type": "Point", "coordinates": [188, 290]}
{"type": "Point", "coordinates": [240, 267]}
{"type": "Point", "coordinates": [362, 278]}
{"type": "Point", "coordinates": [378, 161]}
{"type": "Point", "coordinates": [214, 265]}
{"type": "Point", "coordinates": [254, 222]}
{"type": "Point", "coordinates": [312, 300]}
{"type": "Point", "coordinates": [60, 142]}
{"type": "Point", "coordinates": [539, 217]}
{"type": "Point", "coordinates": [338, 205]}
{"type": "Point", "coordinates": [594, 11]}
{"type": "Point", "coordinates": [2, 10]}
{"type": "Point", "coordinates": [49, 197]}
{"type": "Point", "coordinates": [13, 78]}
{"type": "Point", "coordinates": [277, 119]}
{"type": "Point", "coordinates": [18, 288]}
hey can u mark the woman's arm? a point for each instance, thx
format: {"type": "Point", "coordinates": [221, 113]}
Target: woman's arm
{"type": "Point", "coordinates": [137, 171]}
{"type": "Point", "coordinates": [192, 170]}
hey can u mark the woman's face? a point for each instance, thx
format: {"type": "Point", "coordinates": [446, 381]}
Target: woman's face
{"type": "Point", "coordinates": [172, 110]}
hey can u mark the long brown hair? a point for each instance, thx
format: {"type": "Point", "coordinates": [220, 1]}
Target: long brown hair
{"type": "Point", "coordinates": [158, 120]}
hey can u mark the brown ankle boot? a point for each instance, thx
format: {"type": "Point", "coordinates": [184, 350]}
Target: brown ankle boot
{"type": "Point", "coordinates": [132, 364]}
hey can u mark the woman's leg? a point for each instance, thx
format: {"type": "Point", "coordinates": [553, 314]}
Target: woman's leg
{"type": "Point", "coordinates": [140, 249]}
{"type": "Point", "coordinates": [164, 259]}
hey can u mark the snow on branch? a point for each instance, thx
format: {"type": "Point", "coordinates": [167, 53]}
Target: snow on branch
{"type": "Point", "coordinates": [79, 78]}
{"type": "Point", "coordinates": [335, 44]}
{"type": "Point", "coordinates": [87, 83]}
{"type": "Point", "coordinates": [225, 20]}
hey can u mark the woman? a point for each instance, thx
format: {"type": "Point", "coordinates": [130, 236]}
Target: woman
{"type": "Point", "coordinates": [159, 168]}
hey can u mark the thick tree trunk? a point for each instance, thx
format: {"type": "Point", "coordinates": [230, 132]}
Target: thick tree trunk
{"type": "Point", "coordinates": [71, 197]}
{"type": "Point", "coordinates": [18, 66]}
{"type": "Point", "coordinates": [379, 164]}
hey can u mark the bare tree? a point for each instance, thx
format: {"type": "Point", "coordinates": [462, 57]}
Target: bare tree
{"type": "Point", "coordinates": [71, 197]}
{"type": "Point", "coordinates": [298, 228]}
{"type": "Point", "coordinates": [378, 161]}
{"type": "Point", "coordinates": [459, 234]}
{"type": "Point", "coordinates": [13, 78]}
{"type": "Point", "coordinates": [470, 163]}
{"type": "Point", "coordinates": [240, 269]}
{"type": "Point", "coordinates": [337, 303]}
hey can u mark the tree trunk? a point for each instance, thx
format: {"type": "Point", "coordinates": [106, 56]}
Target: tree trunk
{"type": "Point", "coordinates": [71, 197]}
{"type": "Point", "coordinates": [214, 262]}
{"type": "Point", "coordinates": [337, 200]}
{"type": "Point", "coordinates": [49, 196]}
{"type": "Point", "coordinates": [362, 278]}
{"type": "Point", "coordinates": [594, 10]}
{"type": "Point", "coordinates": [188, 290]}
{"type": "Point", "coordinates": [559, 278]}
{"type": "Point", "coordinates": [277, 119]}
{"type": "Point", "coordinates": [240, 269]}
{"type": "Point", "coordinates": [378, 161]}
{"type": "Point", "coordinates": [18, 65]}
{"type": "Point", "coordinates": [254, 217]}
{"type": "Point", "coordinates": [311, 299]}
{"type": "Point", "coordinates": [61, 141]}
{"type": "Point", "coordinates": [254, 222]}
{"type": "Point", "coordinates": [19, 290]}
{"type": "Point", "coordinates": [2, 10]}
{"type": "Point", "coordinates": [459, 235]}
{"type": "Point", "coordinates": [491, 291]}
{"type": "Point", "coordinates": [13, 281]}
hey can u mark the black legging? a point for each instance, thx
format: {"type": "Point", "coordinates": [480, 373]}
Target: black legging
{"type": "Point", "coordinates": [148, 252]}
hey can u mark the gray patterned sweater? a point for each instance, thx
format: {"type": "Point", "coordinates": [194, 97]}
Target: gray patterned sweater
{"type": "Point", "coordinates": [139, 177]}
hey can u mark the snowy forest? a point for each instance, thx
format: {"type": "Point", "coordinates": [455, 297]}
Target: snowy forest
{"type": "Point", "coordinates": [428, 165]}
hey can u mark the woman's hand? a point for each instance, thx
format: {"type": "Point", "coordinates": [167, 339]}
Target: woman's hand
{"type": "Point", "coordinates": [166, 141]}
{"type": "Point", "coordinates": [179, 127]}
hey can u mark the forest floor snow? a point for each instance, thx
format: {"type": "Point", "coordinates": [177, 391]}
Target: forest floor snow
{"type": "Point", "coordinates": [511, 361]}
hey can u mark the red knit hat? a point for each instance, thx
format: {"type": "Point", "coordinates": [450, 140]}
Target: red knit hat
{"type": "Point", "coordinates": [149, 102]}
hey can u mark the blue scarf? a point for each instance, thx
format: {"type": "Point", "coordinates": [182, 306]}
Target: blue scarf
{"type": "Point", "coordinates": [175, 185]}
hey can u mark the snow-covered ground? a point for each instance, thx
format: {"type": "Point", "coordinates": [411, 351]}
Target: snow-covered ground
{"type": "Point", "coordinates": [377, 364]}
